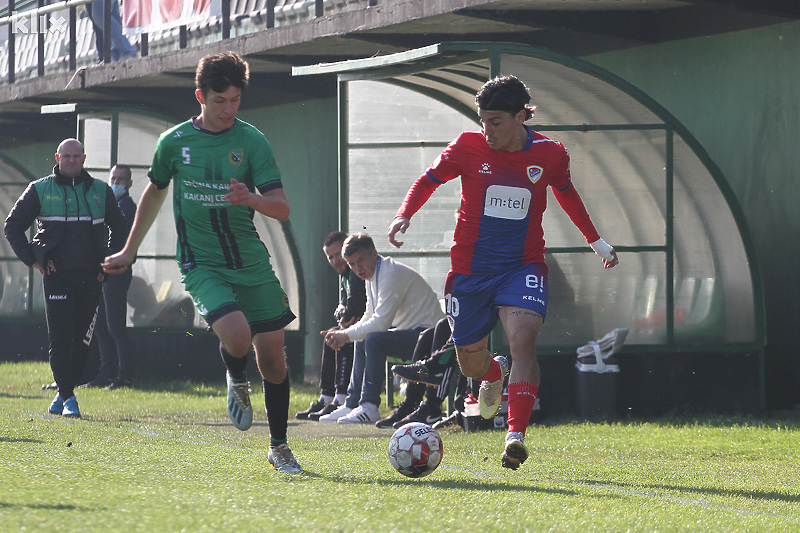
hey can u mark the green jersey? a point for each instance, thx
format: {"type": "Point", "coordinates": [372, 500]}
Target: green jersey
{"type": "Point", "coordinates": [201, 164]}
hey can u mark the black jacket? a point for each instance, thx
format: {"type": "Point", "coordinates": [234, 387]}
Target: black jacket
{"type": "Point", "coordinates": [353, 296]}
{"type": "Point", "coordinates": [73, 218]}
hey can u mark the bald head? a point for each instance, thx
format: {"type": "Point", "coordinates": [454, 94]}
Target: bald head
{"type": "Point", "coordinates": [70, 158]}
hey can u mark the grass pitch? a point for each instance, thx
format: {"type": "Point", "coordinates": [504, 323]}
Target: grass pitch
{"type": "Point", "coordinates": [165, 458]}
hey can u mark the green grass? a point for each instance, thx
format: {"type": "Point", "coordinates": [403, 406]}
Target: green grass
{"type": "Point", "coordinates": [165, 458]}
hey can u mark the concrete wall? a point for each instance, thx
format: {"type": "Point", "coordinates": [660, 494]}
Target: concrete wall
{"type": "Point", "coordinates": [739, 95]}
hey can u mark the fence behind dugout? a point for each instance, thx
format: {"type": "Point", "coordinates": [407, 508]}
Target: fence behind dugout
{"type": "Point", "coordinates": [27, 55]}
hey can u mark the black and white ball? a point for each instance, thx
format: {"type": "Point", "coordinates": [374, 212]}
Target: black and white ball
{"type": "Point", "coordinates": [415, 450]}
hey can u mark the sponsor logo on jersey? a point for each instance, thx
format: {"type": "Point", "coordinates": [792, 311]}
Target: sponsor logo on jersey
{"type": "Point", "coordinates": [534, 173]}
{"type": "Point", "coordinates": [57, 297]}
{"type": "Point", "coordinates": [236, 156]}
{"type": "Point", "coordinates": [177, 134]}
{"type": "Point", "coordinates": [485, 169]}
{"type": "Point", "coordinates": [510, 203]}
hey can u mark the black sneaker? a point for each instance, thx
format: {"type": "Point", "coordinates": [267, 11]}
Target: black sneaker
{"type": "Point", "coordinates": [419, 372]}
{"type": "Point", "coordinates": [99, 382]}
{"type": "Point", "coordinates": [315, 406]}
{"type": "Point", "coordinates": [402, 411]}
{"type": "Point", "coordinates": [425, 413]}
{"type": "Point", "coordinates": [118, 384]}
{"type": "Point", "coordinates": [450, 421]}
{"type": "Point", "coordinates": [327, 409]}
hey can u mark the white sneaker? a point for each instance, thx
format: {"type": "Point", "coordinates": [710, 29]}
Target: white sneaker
{"type": "Point", "coordinates": [490, 395]}
{"type": "Point", "coordinates": [282, 459]}
{"type": "Point", "coordinates": [366, 413]}
{"type": "Point", "coordinates": [239, 409]}
{"type": "Point", "coordinates": [340, 411]}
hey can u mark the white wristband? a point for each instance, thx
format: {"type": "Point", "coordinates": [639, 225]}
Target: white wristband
{"type": "Point", "coordinates": [603, 249]}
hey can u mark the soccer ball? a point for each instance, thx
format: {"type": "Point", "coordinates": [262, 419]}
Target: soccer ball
{"type": "Point", "coordinates": [415, 450]}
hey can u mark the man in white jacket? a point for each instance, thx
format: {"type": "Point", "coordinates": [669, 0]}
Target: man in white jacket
{"type": "Point", "coordinates": [400, 305]}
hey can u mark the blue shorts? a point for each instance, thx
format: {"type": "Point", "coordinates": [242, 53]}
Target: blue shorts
{"type": "Point", "coordinates": [472, 300]}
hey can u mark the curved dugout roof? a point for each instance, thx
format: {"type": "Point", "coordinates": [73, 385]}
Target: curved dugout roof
{"type": "Point", "coordinates": [651, 189]}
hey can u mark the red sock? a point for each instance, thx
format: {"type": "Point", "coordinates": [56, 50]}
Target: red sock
{"type": "Point", "coordinates": [521, 397]}
{"type": "Point", "coordinates": [494, 373]}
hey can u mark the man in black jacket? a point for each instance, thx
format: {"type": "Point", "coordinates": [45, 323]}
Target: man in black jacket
{"type": "Point", "coordinates": [74, 213]}
{"type": "Point", "coordinates": [337, 364]}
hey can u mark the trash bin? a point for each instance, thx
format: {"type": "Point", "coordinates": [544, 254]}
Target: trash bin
{"type": "Point", "coordinates": [597, 379]}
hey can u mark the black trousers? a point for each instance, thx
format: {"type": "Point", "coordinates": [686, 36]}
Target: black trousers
{"type": "Point", "coordinates": [334, 376]}
{"type": "Point", "coordinates": [71, 299]}
{"type": "Point", "coordinates": [116, 351]}
{"type": "Point", "coordinates": [430, 340]}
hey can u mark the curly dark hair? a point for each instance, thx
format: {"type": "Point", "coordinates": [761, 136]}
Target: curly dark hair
{"type": "Point", "coordinates": [505, 93]}
{"type": "Point", "coordinates": [218, 72]}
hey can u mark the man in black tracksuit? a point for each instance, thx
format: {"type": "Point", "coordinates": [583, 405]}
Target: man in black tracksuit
{"type": "Point", "coordinates": [74, 213]}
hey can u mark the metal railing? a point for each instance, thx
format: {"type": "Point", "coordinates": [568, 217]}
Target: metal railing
{"type": "Point", "coordinates": [40, 16]}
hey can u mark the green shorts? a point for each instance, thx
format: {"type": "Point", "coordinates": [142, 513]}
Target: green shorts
{"type": "Point", "coordinates": [256, 291]}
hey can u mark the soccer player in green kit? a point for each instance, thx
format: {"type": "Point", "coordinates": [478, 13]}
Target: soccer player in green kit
{"type": "Point", "coordinates": [223, 171]}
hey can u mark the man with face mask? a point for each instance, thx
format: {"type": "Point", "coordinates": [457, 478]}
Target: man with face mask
{"type": "Point", "coordinates": [112, 330]}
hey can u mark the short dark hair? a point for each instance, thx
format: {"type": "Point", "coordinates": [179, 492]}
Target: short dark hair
{"type": "Point", "coordinates": [356, 243]}
{"type": "Point", "coordinates": [125, 168]}
{"type": "Point", "coordinates": [218, 72]}
{"type": "Point", "coordinates": [334, 236]}
{"type": "Point", "coordinates": [505, 93]}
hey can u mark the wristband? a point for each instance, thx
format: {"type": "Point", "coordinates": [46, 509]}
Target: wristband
{"type": "Point", "coordinates": [603, 249]}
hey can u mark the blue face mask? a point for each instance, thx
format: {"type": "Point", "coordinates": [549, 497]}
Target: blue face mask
{"type": "Point", "coordinates": [119, 190]}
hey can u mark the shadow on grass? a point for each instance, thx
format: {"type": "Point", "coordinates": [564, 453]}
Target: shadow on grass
{"type": "Point", "coordinates": [27, 441]}
{"type": "Point", "coordinates": [778, 419]}
{"type": "Point", "coordinates": [40, 506]}
{"type": "Point", "coordinates": [480, 484]}
{"type": "Point", "coordinates": [724, 493]}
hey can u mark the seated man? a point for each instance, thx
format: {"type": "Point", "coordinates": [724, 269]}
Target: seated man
{"type": "Point", "coordinates": [400, 305]}
{"type": "Point", "coordinates": [433, 364]}
{"type": "Point", "coordinates": [337, 365]}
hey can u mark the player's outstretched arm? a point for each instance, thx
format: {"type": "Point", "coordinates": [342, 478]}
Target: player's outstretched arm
{"type": "Point", "coordinates": [146, 213]}
{"type": "Point", "coordinates": [398, 225]}
{"type": "Point", "coordinates": [417, 195]}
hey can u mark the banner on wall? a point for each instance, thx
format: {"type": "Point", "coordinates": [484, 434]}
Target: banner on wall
{"type": "Point", "coordinates": [148, 16]}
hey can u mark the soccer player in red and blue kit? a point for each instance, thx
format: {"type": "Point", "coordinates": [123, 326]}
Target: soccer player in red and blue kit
{"type": "Point", "coordinates": [497, 269]}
